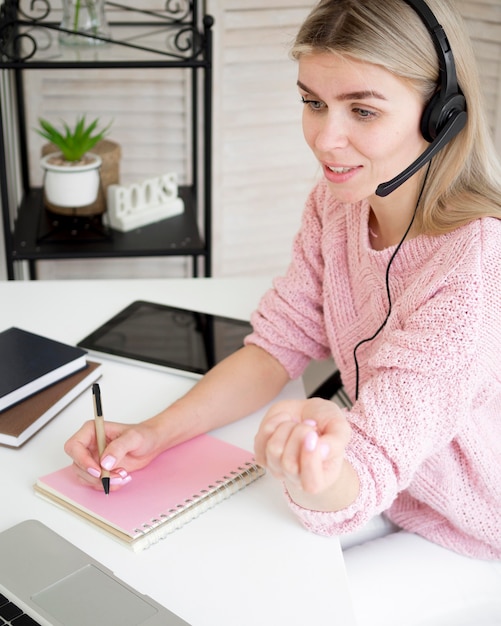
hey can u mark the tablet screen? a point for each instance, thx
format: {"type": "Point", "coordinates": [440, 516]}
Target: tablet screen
{"type": "Point", "coordinates": [168, 336]}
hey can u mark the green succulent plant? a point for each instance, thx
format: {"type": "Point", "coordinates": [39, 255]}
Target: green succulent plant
{"type": "Point", "coordinates": [73, 143]}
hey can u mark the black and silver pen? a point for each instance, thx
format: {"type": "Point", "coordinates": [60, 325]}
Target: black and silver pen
{"type": "Point", "coordinates": [100, 434]}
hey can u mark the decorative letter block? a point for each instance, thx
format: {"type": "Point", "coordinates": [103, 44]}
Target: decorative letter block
{"type": "Point", "coordinates": [143, 203]}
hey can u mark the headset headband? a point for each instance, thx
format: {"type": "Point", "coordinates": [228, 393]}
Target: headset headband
{"type": "Point", "coordinates": [447, 66]}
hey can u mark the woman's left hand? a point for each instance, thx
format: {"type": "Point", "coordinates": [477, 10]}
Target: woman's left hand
{"type": "Point", "coordinates": [302, 442]}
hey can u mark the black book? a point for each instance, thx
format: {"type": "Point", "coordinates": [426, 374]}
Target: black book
{"type": "Point", "coordinates": [30, 362]}
{"type": "Point", "coordinates": [20, 422]}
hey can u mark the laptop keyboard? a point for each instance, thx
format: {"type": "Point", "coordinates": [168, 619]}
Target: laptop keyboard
{"type": "Point", "coordinates": [12, 615]}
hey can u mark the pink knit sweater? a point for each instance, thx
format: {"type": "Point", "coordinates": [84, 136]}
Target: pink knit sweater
{"type": "Point", "coordinates": [426, 440]}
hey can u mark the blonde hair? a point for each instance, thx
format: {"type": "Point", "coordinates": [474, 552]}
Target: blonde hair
{"type": "Point", "coordinates": [464, 181]}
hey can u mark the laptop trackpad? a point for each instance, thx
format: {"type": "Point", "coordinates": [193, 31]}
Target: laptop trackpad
{"type": "Point", "coordinates": [89, 597]}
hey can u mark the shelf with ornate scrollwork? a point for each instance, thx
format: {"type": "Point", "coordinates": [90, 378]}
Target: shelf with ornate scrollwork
{"type": "Point", "coordinates": [33, 36]}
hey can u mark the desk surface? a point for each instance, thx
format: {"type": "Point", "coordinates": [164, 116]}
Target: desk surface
{"type": "Point", "coordinates": [246, 561]}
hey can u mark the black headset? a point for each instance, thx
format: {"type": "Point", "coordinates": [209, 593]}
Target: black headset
{"type": "Point", "coordinates": [445, 115]}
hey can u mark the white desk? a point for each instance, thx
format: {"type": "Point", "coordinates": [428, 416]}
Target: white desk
{"type": "Point", "coordinates": [246, 562]}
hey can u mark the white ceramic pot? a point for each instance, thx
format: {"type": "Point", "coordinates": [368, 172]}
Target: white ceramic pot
{"type": "Point", "coordinates": [71, 185]}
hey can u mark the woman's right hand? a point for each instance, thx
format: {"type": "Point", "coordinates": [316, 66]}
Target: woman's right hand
{"type": "Point", "coordinates": [237, 386]}
{"type": "Point", "coordinates": [128, 448]}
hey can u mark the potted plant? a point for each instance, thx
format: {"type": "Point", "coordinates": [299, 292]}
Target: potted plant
{"type": "Point", "coordinates": [71, 177]}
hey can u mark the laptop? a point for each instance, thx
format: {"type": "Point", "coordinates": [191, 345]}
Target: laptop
{"type": "Point", "coordinates": [56, 584]}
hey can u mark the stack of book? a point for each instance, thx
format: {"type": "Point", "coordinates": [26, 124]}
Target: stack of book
{"type": "Point", "coordinates": [38, 378]}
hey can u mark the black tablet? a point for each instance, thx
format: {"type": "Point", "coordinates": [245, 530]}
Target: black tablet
{"type": "Point", "coordinates": [166, 336]}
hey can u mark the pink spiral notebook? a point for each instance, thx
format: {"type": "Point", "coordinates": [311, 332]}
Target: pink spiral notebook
{"type": "Point", "coordinates": [176, 487]}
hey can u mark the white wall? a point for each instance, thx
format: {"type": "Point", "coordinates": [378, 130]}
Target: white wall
{"type": "Point", "coordinates": [262, 169]}
{"type": "Point", "coordinates": [483, 19]}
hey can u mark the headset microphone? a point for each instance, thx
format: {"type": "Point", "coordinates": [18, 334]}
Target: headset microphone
{"type": "Point", "coordinates": [450, 130]}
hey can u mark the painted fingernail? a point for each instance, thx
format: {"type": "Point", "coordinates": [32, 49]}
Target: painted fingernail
{"type": "Point", "coordinates": [310, 423]}
{"type": "Point", "coordinates": [117, 480]}
{"type": "Point", "coordinates": [122, 472]}
{"type": "Point", "coordinates": [310, 441]}
{"type": "Point", "coordinates": [108, 462]}
{"type": "Point", "coordinates": [93, 472]}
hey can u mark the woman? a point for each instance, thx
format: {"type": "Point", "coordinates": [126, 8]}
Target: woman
{"type": "Point", "coordinates": [402, 289]}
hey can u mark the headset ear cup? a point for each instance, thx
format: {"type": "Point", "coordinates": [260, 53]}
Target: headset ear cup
{"type": "Point", "coordinates": [431, 118]}
{"type": "Point", "coordinates": [437, 113]}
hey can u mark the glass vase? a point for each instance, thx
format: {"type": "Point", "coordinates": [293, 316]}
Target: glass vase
{"type": "Point", "coordinates": [82, 21]}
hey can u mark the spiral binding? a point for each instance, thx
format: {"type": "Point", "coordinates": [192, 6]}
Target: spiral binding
{"type": "Point", "coordinates": [166, 523]}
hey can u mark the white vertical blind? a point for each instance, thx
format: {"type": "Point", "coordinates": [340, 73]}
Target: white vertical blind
{"type": "Point", "coordinates": [483, 19]}
{"type": "Point", "coordinates": [263, 169]}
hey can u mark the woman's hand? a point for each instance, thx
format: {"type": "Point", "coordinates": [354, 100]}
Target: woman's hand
{"type": "Point", "coordinates": [128, 448]}
{"type": "Point", "coordinates": [226, 393]}
{"type": "Point", "coordinates": [302, 442]}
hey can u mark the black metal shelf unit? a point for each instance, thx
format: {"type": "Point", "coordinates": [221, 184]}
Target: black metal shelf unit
{"type": "Point", "coordinates": [178, 36]}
